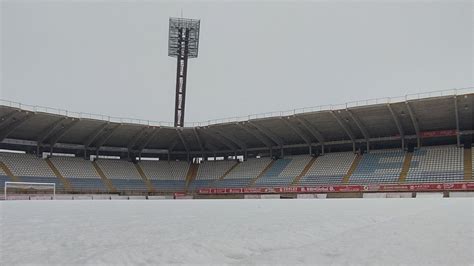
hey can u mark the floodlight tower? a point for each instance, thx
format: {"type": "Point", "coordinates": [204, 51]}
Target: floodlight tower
{"type": "Point", "coordinates": [183, 43]}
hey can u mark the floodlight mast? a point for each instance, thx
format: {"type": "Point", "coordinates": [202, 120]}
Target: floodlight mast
{"type": "Point", "coordinates": [183, 43]}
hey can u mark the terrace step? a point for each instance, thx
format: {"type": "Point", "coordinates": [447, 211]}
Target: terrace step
{"type": "Point", "coordinates": [191, 175]}
{"type": "Point", "coordinates": [104, 178]}
{"type": "Point", "coordinates": [303, 173]}
{"type": "Point", "coordinates": [225, 174]}
{"type": "Point", "coordinates": [8, 172]}
{"type": "Point", "coordinates": [56, 172]}
{"type": "Point", "coordinates": [353, 167]}
{"type": "Point", "coordinates": [252, 183]}
{"type": "Point", "coordinates": [145, 178]}
{"type": "Point", "coordinates": [467, 164]}
{"type": "Point", "coordinates": [406, 167]}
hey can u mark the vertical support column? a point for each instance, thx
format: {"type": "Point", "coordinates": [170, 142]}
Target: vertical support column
{"type": "Point", "coordinates": [415, 124]}
{"type": "Point", "coordinates": [456, 113]}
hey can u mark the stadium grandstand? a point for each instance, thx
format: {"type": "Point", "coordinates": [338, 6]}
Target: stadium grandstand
{"type": "Point", "coordinates": [415, 139]}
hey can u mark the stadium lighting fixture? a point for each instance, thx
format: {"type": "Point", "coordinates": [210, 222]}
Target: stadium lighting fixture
{"type": "Point", "coordinates": [183, 43]}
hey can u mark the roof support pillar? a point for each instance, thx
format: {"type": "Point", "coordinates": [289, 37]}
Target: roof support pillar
{"type": "Point", "coordinates": [313, 131]}
{"type": "Point", "coordinates": [55, 138]}
{"type": "Point", "coordinates": [196, 134]}
{"type": "Point", "coordinates": [258, 136]}
{"type": "Point", "coordinates": [456, 113]}
{"type": "Point", "coordinates": [37, 150]}
{"type": "Point", "coordinates": [346, 129]}
{"type": "Point", "coordinates": [398, 124]}
{"type": "Point", "coordinates": [148, 138]}
{"type": "Point", "coordinates": [46, 133]}
{"type": "Point", "coordinates": [415, 124]}
{"type": "Point", "coordinates": [104, 139]}
{"type": "Point", "coordinates": [173, 144]}
{"type": "Point", "coordinates": [4, 119]}
{"type": "Point", "coordinates": [361, 128]}
{"type": "Point", "coordinates": [231, 138]}
{"type": "Point", "coordinates": [186, 147]}
{"type": "Point", "coordinates": [90, 139]}
{"type": "Point", "coordinates": [132, 143]}
{"type": "Point", "coordinates": [270, 135]}
{"type": "Point", "coordinates": [220, 139]}
{"type": "Point", "coordinates": [298, 132]}
{"type": "Point", "coordinates": [8, 129]}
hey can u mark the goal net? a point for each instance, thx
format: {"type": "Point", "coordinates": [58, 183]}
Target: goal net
{"type": "Point", "coordinates": [26, 190]}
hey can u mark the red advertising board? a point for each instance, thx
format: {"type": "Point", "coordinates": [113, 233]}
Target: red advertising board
{"type": "Point", "coordinates": [461, 186]}
{"type": "Point", "coordinates": [438, 133]}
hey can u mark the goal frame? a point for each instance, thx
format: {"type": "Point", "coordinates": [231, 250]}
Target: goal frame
{"type": "Point", "coordinates": [28, 183]}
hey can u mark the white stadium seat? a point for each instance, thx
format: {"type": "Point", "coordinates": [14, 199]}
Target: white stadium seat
{"type": "Point", "coordinates": [328, 169]}
{"type": "Point", "coordinates": [437, 164]}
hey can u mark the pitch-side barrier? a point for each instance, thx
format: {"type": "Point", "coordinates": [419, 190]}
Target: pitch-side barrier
{"type": "Point", "coordinates": [410, 187]}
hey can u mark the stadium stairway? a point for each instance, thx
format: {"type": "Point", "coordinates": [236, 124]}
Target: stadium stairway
{"type": "Point", "coordinates": [304, 172]}
{"type": "Point", "coordinates": [145, 178]}
{"type": "Point", "coordinates": [406, 167]}
{"type": "Point", "coordinates": [354, 165]}
{"type": "Point", "coordinates": [467, 164]}
{"type": "Point", "coordinates": [191, 175]}
{"type": "Point", "coordinates": [104, 178]}
{"type": "Point", "coordinates": [225, 174]}
{"type": "Point", "coordinates": [252, 183]}
{"type": "Point", "coordinates": [8, 172]}
{"type": "Point", "coordinates": [64, 180]}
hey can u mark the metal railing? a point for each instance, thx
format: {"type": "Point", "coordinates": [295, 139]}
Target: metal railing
{"type": "Point", "coordinates": [352, 104]}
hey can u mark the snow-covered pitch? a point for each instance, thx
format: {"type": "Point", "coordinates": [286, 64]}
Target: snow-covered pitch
{"type": "Point", "coordinates": [343, 231]}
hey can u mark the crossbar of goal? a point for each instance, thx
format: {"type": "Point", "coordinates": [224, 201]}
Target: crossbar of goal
{"type": "Point", "coordinates": [28, 185]}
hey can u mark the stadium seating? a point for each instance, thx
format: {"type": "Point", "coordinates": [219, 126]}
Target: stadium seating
{"type": "Point", "coordinates": [166, 176]}
{"type": "Point", "coordinates": [243, 173]}
{"type": "Point", "coordinates": [379, 166]}
{"type": "Point", "coordinates": [80, 173]}
{"type": "Point", "coordinates": [210, 171]}
{"type": "Point", "coordinates": [436, 164]}
{"type": "Point", "coordinates": [29, 168]}
{"type": "Point", "coordinates": [283, 171]}
{"type": "Point", "coordinates": [122, 174]}
{"type": "Point", "coordinates": [472, 162]}
{"type": "Point", "coordinates": [3, 178]}
{"type": "Point", "coordinates": [328, 169]}
{"type": "Point", "coordinates": [428, 164]}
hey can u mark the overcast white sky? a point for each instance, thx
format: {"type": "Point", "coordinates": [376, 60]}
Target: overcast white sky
{"type": "Point", "coordinates": [111, 58]}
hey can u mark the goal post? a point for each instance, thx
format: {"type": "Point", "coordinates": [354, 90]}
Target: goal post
{"type": "Point", "coordinates": [30, 188]}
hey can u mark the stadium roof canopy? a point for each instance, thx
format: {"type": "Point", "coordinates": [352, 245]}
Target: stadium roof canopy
{"type": "Point", "coordinates": [411, 119]}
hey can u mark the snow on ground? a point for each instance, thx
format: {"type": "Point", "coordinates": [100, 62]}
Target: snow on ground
{"type": "Point", "coordinates": [248, 232]}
